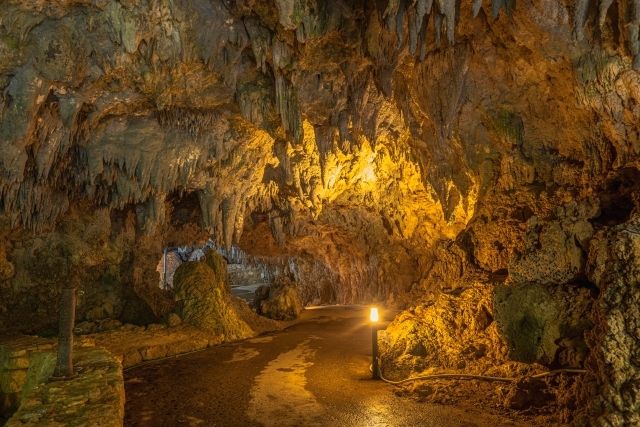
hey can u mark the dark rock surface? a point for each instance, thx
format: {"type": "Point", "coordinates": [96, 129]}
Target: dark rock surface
{"type": "Point", "coordinates": [282, 301]}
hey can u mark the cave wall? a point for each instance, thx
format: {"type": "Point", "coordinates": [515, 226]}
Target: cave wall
{"type": "Point", "coordinates": [390, 148]}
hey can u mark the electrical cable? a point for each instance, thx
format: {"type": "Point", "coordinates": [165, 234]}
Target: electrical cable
{"type": "Point", "coordinates": [474, 377]}
{"type": "Point", "coordinates": [174, 356]}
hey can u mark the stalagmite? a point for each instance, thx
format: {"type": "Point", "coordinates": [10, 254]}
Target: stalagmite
{"type": "Point", "coordinates": [334, 144]}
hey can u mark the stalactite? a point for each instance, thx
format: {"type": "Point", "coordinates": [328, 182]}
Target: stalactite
{"type": "Point", "coordinates": [423, 37]}
{"type": "Point", "coordinates": [390, 14]}
{"type": "Point", "coordinates": [417, 33]}
{"type": "Point", "coordinates": [413, 32]}
{"type": "Point", "coordinates": [229, 210]}
{"type": "Point", "coordinates": [496, 5]}
{"type": "Point", "coordinates": [634, 34]}
{"type": "Point", "coordinates": [423, 8]}
{"type": "Point", "coordinates": [580, 17]}
{"type": "Point", "coordinates": [602, 12]}
{"type": "Point", "coordinates": [437, 21]}
{"type": "Point", "coordinates": [288, 107]}
{"type": "Point", "coordinates": [277, 228]}
{"type": "Point", "coordinates": [400, 22]}
{"type": "Point", "coordinates": [343, 127]}
{"type": "Point", "coordinates": [324, 142]}
{"type": "Point", "coordinates": [475, 9]}
{"type": "Point", "coordinates": [448, 9]}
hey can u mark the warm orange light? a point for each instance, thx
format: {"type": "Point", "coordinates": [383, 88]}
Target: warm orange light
{"type": "Point", "coordinates": [373, 315]}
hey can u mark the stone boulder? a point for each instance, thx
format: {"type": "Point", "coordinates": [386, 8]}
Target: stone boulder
{"type": "Point", "coordinates": [544, 324]}
{"type": "Point", "coordinates": [450, 330]}
{"type": "Point", "coordinates": [261, 294]}
{"type": "Point", "coordinates": [283, 302]}
{"type": "Point", "coordinates": [205, 301]}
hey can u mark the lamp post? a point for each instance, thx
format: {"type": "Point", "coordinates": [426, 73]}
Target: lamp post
{"type": "Point", "coordinates": [374, 318]}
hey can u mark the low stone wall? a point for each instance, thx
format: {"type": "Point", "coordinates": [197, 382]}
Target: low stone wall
{"type": "Point", "coordinates": [25, 361]}
{"type": "Point", "coordinates": [138, 344]}
{"type": "Point", "coordinates": [94, 398]}
{"type": "Point", "coordinates": [16, 355]}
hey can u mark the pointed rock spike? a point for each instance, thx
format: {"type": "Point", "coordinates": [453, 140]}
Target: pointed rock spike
{"type": "Point", "coordinates": [475, 9]}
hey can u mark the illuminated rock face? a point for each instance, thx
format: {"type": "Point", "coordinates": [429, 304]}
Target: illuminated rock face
{"type": "Point", "coordinates": [378, 150]}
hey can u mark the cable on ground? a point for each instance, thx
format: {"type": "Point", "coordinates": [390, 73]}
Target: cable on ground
{"type": "Point", "coordinates": [475, 377]}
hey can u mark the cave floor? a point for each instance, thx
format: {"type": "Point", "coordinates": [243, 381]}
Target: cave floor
{"type": "Point", "coordinates": [316, 372]}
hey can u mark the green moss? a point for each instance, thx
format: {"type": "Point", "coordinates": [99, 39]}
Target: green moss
{"type": "Point", "coordinates": [202, 292]}
{"type": "Point", "coordinates": [11, 43]}
{"type": "Point", "coordinates": [509, 124]}
{"type": "Point", "coordinates": [41, 367]}
{"type": "Point", "coordinates": [530, 321]}
{"type": "Point", "coordinates": [218, 264]}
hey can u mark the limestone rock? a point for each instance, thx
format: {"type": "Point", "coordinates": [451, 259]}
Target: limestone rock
{"type": "Point", "coordinates": [613, 383]}
{"type": "Point", "coordinates": [345, 144]}
{"type": "Point", "coordinates": [449, 331]}
{"type": "Point", "coordinates": [96, 395]}
{"type": "Point", "coordinates": [544, 324]}
{"type": "Point", "coordinates": [261, 293]}
{"type": "Point", "coordinates": [527, 393]}
{"type": "Point", "coordinates": [173, 320]}
{"type": "Point", "coordinates": [205, 301]}
{"type": "Point", "coordinates": [283, 302]}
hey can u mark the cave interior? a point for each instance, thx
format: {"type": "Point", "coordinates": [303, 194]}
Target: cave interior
{"type": "Point", "coordinates": [472, 168]}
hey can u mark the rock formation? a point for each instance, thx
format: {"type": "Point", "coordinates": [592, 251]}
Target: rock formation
{"type": "Point", "coordinates": [202, 292]}
{"type": "Point", "coordinates": [281, 302]}
{"type": "Point", "coordinates": [385, 150]}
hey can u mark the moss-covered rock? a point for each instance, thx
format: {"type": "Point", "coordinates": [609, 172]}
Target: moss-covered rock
{"type": "Point", "coordinates": [217, 263]}
{"type": "Point", "coordinates": [203, 294]}
{"type": "Point", "coordinates": [283, 303]}
{"type": "Point", "coordinates": [543, 324]}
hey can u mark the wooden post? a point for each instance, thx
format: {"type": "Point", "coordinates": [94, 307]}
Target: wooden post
{"type": "Point", "coordinates": [67, 320]}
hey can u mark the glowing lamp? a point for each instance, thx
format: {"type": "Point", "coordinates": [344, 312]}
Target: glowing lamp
{"type": "Point", "coordinates": [373, 314]}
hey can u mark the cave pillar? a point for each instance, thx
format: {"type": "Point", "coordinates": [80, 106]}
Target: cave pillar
{"type": "Point", "coordinates": [613, 381]}
{"type": "Point", "coordinates": [64, 364]}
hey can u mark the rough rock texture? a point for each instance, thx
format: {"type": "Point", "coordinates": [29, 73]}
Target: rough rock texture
{"type": "Point", "coordinates": [95, 397]}
{"type": "Point", "coordinates": [16, 356]}
{"type": "Point", "coordinates": [614, 266]}
{"type": "Point", "coordinates": [449, 331]}
{"type": "Point", "coordinates": [282, 302]}
{"type": "Point", "coordinates": [544, 324]}
{"type": "Point", "coordinates": [372, 150]}
{"type": "Point", "coordinates": [204, 300]}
